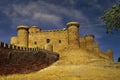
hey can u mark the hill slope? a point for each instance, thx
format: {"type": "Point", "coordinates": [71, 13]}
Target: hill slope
{"type": "Point", "coordinates": [70, 67]}
{"type": "Point", "coordinates": [17, 61]}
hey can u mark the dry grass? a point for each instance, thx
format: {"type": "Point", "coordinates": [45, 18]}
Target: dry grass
{"type": "Point", "coordinates": [70, 72]}
{"type": "Point", "coordinates": [69, 67]}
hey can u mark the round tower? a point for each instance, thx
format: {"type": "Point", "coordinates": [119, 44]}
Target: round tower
{"type": "Point", "coordinates": [22, 36]}
{"type": "Point", "coordinates": [34, 36]}
{"type": "Point", "coordinates": [89, 41]}
{"type": "Point", "coordinates": [34, 29]}
{"type": "Point", "coordinates": [14, 40]}
{"type": "Point", "coordinates": [73, 34]}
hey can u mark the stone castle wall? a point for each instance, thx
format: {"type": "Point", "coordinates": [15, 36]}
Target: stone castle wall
{"type": "Point", "coordinates": [13, 47]}
{"type": "Point", "coordinates": [57, 40]}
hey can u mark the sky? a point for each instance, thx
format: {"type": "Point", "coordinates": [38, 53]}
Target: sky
{"type": "Point", "coordinates": [54, 14]}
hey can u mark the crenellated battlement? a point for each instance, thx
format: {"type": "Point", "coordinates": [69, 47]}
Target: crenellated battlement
{"type": "Point", "coordinates": [53, 30]}
{"type": "Point", "coordinates": [13, 47]}
{"type": "Point", "coordinates": [34, 38]}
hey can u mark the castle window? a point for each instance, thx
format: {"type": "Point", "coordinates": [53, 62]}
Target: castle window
{"type": "Point", "coordinates": [35, 42]}
{"type": "Point", "coordinates": [60, 41]}
{"type": "Point", "coordinates": [47, 40]}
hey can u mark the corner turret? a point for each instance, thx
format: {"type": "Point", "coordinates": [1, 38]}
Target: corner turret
{"type": "Point", "coordinates": [34, 29]}
{"type": "Point", "coordinates": [22, 35]}
{"type": "Point", "coordinates": [70, 24]}
{"type": "Point", "coordinates": [89, 41]}
{"type": "Point", "coordinates": [13, 40]}
{"type": "Point", "coordinates": [73, 34]}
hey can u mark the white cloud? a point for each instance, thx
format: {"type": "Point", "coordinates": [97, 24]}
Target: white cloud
{"type": "Point", "coordinates": [41, 12]}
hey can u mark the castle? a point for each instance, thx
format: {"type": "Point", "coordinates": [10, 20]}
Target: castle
{"type": "Point", "coordinates": [56, 40]}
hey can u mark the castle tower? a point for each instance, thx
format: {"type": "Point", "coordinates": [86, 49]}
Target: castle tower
{"type": "Point", "coordinates": [82, 42]}
{"type": "Point", "coordinates": [89, 41]}
{"type": "Point", "coordinates": [14, 40]}
{"type": "Point", "coordinates": [22, 36]}
{"type": "Point", "coordinates": [33, 37]}
{"type": "Point", "coordinates": [73, 34]}
{"type": "Point", "coordinates": [34, 30]}
{"type": "Point", "coordinates": [96, 47]}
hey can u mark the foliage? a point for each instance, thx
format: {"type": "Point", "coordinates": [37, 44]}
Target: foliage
{"type": "Point", "coordinates": [119, 59]}
{"type": "Point", "coordinates": [111, 18]}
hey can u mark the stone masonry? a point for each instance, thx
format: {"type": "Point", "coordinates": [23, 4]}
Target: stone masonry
{"type": "Point", "coordinates": [56, 40]}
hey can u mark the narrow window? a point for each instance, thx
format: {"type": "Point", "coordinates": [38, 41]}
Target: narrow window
{"type": "Point", "coordinates": [60, 41]}
{"type": "Point", "coordinates": [35, 42]}
{"type": "Point", "coordinates": [48, 41]}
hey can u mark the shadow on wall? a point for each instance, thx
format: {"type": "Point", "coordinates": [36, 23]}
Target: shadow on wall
{"type": "Point", "coordinates": [14, 61]}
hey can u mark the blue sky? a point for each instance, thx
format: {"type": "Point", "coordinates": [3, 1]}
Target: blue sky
{"type": "Point", "coordinates": [54, 14]}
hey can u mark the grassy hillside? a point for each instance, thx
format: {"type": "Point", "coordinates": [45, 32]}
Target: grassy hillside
{"type": "Point", "coordinates": [70, 67]}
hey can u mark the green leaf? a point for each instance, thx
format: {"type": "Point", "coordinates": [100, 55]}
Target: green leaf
{"type": "Point", "coordinates": [111, 18]}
